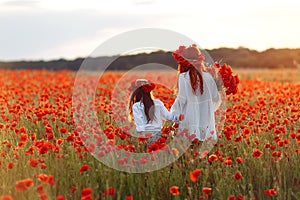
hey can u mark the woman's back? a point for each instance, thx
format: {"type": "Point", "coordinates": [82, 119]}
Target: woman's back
{"type": "Point", "coordinates": [197, 108]}
{"type": "Point", "coordinates": [209, 91]}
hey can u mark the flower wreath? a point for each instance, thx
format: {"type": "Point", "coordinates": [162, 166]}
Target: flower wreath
{"type": "Point", "coordinates": [146, 86]}
{"type": "Point", "coordinates": [181, 60]}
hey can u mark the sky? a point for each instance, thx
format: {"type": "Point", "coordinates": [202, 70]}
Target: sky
{"type": "Point", "coordinates": [67, 29]}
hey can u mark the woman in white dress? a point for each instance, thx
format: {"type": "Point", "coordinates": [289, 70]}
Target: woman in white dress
{"type": "Point", "coordinates": [198, 97]}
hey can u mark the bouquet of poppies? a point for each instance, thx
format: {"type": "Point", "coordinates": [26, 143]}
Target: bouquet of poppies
{"type": "Point", "coordinates": [224, 77]}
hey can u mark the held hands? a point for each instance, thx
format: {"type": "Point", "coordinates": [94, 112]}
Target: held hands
{"type": "Point", "coordinates": [180, 118]}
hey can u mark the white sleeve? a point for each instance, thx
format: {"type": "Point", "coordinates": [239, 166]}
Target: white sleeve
{"type": "Point", "coordinates": [215, 95]}
{"type": "Point", "coordinates": [138, 118]}
{"type": "Point", "coordinates": [180, 101]}
{"type": "Point", "coordinates": [166, 114]}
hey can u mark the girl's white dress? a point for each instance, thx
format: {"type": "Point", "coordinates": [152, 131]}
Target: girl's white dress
{"type": "Point", "coordinates": [160, 115]}
{"type": "Point", "coordinates": [198, 109]}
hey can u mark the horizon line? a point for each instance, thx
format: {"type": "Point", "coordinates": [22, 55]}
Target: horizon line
{"type": "Point", "coordinates": [112, 55]}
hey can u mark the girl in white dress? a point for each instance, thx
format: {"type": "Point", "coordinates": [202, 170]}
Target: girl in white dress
{"type": "Point", "coordinates": [148, 114]}
{"type": "Point", "coordinates": [198, 97]}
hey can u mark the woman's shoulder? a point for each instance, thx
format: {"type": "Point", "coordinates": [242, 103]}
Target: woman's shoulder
{"type": "Point", "coordinates": [184, 75]}
{"type": "Point", "coordinates": [207, 75]}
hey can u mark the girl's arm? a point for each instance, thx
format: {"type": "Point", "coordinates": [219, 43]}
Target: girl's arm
{"type": "Point", "coordinates": [168, 115]}
{"type": "Point", "coordinates": [138, 118]}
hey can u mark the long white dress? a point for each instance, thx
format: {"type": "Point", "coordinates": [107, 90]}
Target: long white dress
{"type": "Point", "coordinates": [198, 109]}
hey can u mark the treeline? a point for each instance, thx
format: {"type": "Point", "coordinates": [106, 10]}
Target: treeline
{"type": "Point", "coordinates": [237, 58]}
{"type": "Point", "coordinates": [270, 58]}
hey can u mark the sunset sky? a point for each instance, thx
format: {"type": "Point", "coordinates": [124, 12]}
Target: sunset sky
{"type": "Point", "coordinates": [54, 29]}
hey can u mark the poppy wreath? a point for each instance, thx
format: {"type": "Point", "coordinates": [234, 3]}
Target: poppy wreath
{"type": "Point", "coordinates": [148, 87]}
{"type": "Point", "coordinates": [181, 60]}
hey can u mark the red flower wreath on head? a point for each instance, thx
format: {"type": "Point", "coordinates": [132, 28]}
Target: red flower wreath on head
{"type": "Point", "coordinates": [148, 87]}
{"type": "Point", "coordinates": [181, 60]}
{"type": "Point", "coordinates": [137, 83]}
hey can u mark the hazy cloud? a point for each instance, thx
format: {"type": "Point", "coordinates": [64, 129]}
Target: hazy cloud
{"type": "Point", "coordinates": [25, 3]}
{"type": "Point", "coordinates": [33, 29]}
{"type": "Point", "coordinates": [26, 34]}
{"type": "Point", "coordinates": [143, 2]}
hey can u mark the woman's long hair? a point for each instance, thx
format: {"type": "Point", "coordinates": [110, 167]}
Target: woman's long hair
{"type": "Point", "coordinates": [194, 68]}
{"type": "Point", "coordinates": [140, 96]}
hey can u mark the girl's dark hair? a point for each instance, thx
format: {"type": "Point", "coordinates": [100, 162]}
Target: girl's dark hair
{"type": "Point", "coordinates": [140, 96]}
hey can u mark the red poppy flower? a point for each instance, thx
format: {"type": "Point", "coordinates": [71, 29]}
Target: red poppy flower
{"type": "Point", "coordinates": [40, 189]}
{"type": "Point", "coordinates": [48, 179]}
{"type": "Point", "coordinates": [142, 139]}
{"type": "Point", "coordinates": [212, 158]}
{"type": "Point", "coordinates": [224, 72]}
{"type": "Point", "coordinates": [43, 196]}
{"type": "Point", "coordinates": [239, 160]}
{"type": "Point", "coordinates": [238, 176]}
{"type": "Point", "coordinates": [23, 185]}
{"type": "Point", "coordinates": [61, 197]}
{"type": "Point", "coordinates": [6, 197]}
{"type": "Point", "coordinates": [84, 168]}
{"type": "Point", "coordinates": [175, 125]}
{"type": "Point", "coordinates": [10, 165]}
{"type": "Point", "coordinates": [257, 153]}
{"type": "Point", "coordinates": [63, 130]}
{"type": "Point", "coordinates": [231, 197]}
{"type": "Point", "coordinates": [86, 192]}
{"type": "Point", "coordinates": [206, 190]}
{"type": "Point", "coordinates": [270, 192]}
{"type": "Point", "coordinates": [227, 161]}
{"type": "Point", "coordinates": [174, 190]}
{"type": "Point", "coordinates": [175, 151]}
{"type": "Point", "coordinates": [110, 191]}
{"type": "Point", "coordinates": [194, 175]}
{"type": "Point", "coordinates": [33, 163]}
{"type": "Point", "coordinates": [153, 148]}
{"type": "Point", "coordinates": [73, 189]}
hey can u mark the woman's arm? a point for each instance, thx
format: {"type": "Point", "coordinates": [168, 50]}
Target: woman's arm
{"type": "Point", "coordinates": [180, 101]}
{"type": "Point", "coordinates": [215, 94]}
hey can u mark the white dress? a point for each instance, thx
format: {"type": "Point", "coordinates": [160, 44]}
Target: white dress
{"type": "Point", "coordinates": [198, 109]}
{"type": "Point", "coordinates": [160, 115]}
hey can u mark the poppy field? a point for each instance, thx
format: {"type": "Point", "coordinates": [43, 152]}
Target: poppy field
{"type": "Point", "coordinates": [43, 155]}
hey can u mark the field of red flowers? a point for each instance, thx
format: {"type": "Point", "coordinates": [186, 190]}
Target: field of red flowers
{"type": "Point", "coordinates": [42, 155]}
